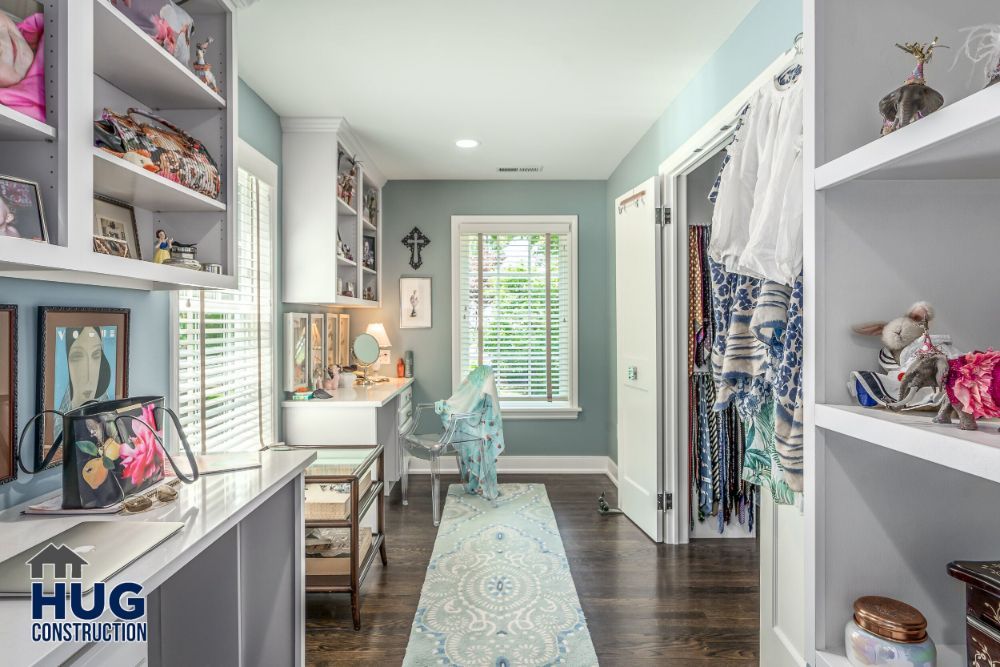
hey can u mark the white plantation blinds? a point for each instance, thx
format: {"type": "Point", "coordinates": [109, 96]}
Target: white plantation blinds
{"type": "Point", "coordinates": [225, 392]}
{"type": "Point", "coordinates": [515, 301]}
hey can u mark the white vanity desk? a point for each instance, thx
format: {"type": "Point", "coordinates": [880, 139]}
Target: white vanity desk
{"type": "Point", "coordinates": [228, 589]}
{"type": "Point", "coordinates": [355, 416]}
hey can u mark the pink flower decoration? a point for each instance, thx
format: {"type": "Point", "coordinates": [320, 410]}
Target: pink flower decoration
{"type": "Point", "coordinates": [143, 460]}
{"type": "Point", "coordinates": [971, 383]}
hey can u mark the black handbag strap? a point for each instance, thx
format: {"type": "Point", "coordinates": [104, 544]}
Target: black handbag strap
{"type": "Point", "coordinates": [52, 452]}
{"type": "Point", "coordinates": [184, 442]}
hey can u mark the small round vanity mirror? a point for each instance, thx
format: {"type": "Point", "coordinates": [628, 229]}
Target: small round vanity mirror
{"type": "Point", "coordinates": [366, 349]}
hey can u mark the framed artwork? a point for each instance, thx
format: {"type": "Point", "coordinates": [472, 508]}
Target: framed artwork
{"type": "Point", "coordinates": [317, 349]}
{"type": "Point", "coordinates": [115, 231]}
{"type": "Point", "coordinates": [415, 303]}
{"type": "Point", "coordinates": [368, 252]}
{"type": "Point", "coordinates": [296, 351]}
{"type": "Point", "coordinates": [83, 357]}
{"type": "Point", "coordinates": [344, 349]}
{"type": "Point", "coordinates": [21, 214]}
{"type": "Point", "coordinates": [8, 392]}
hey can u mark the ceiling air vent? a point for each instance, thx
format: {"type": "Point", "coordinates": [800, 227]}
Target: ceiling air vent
{"type": "Point", "coordinates": [520, 170]}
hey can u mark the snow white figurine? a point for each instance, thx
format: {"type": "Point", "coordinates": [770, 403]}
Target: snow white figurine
{"type": "Point", "coordinates": [163, 245]}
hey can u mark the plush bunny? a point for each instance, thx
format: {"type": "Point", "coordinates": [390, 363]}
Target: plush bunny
{"type": "Point", "coordinates": [902, 331]}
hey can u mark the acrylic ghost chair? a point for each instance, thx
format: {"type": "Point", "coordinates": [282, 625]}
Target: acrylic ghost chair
{"type": "Point", "coordinates": [471, 429]}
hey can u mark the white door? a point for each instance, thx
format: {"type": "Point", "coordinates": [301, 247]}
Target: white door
{"type": "Point", "coordinates": [639, 338]}
{"type": "Point", "coordinates": [782, 584]}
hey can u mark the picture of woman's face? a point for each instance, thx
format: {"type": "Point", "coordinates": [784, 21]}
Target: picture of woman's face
{"type": "Point", "coordinates": [84, 357]}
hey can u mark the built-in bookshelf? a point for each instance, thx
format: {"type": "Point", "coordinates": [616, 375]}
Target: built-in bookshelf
{"type": "Point", "coordinates": [87, 71]}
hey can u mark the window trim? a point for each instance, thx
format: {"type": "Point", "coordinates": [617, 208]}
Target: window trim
{"type": "Point", "coordinates": [518, 410]}
{"type": "Point", "coordinates": [263, 169]}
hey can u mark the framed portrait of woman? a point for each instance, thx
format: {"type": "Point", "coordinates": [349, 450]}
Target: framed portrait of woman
{"type": "Point", "coordinates": [83, 357]}
{"type": "Point", "coordinates": [8, 392]}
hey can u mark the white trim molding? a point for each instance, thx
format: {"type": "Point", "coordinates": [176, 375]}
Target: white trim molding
{"type": "Point", "coordinates": [533, 465]}
{"type": "Point", "coordinates": [525, 410]}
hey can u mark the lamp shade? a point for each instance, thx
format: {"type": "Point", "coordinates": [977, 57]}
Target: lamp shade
{"type": "Point", "coordinates": [377, 329]}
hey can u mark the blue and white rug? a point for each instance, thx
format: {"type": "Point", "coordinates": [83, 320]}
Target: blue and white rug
{"type": "Point", "coordinates": [498, 591]}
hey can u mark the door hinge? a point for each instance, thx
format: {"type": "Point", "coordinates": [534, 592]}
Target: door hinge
{"type": "Point", "coordinates": [662, 215]}
{"type": "Point", "coordinates": [664, 501]}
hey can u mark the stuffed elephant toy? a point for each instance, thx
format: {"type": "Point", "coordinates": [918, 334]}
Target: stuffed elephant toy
{"type": "Point", "coordinates": [968, 385]}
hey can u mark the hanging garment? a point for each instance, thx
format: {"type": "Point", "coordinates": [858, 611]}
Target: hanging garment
{"type": "Point", "coordinates": [788, 429]}
{"type": "Point", "coordinates": [777, 198]}
{"type": "Point", "coordinates": [478, 445]}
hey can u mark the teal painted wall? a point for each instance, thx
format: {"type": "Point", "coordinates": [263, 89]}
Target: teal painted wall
{"type": "Point", "coordinates": [149, 358]}
{"type": "Point", "coordinates": [429, 205]}
{"type": "Point", "coordinates": [766, 32]}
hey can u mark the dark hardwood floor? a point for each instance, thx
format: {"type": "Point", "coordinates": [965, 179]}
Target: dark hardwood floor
{"type": "Point", "coordinates": [646, 604]}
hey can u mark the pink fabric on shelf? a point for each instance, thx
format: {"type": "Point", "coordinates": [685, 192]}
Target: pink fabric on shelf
{"type": "Point", "coordinates": [28, 95]}
{"type": "Point", "coordinates": [974, 383]}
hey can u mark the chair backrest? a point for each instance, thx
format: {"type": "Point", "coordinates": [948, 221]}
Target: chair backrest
{"type": "Point", "coordinates": [469, 397]}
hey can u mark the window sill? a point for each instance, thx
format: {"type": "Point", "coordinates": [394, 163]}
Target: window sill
{"type": "Point", "coordinates": [534, 411]}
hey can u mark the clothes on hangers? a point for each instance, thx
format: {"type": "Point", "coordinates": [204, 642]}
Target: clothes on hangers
{"type": "Point", "coordinates": [758, 213]}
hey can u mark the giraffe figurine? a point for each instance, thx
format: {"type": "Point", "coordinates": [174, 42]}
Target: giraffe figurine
{"type": "Point", "coordinates": [914, 99]}
{"type": "Point", "coordinates": [203, 69]}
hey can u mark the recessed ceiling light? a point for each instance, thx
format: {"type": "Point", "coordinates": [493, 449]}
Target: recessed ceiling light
{"type": "Point", "coordinates": [467, 143]}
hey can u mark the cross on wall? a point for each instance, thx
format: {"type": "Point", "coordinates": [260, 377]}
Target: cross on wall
{"type": "Point", "coordinates": [416, 241]}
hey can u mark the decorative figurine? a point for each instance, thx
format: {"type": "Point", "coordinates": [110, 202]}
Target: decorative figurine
{"type": "Point", "coordinates": [604, 508]}
{"type": "Point", "coordinates": [332, 380]}
{"type": "Point", "coordinates": [347, 180]}
{"type": "Point", "coordinates": [371, 207]}
{"type": "Point", "coordinates": [914, 99]}
{"type": "Point", "coordinates": [369, 293]}
{"type": "Point", "coordinates": [416, 241]}
{"type": "Point", "coordinates": [163, 246]}
{"type": "Point", "coordinates": [203, 69]}
{"type": "Point", "coordinates": [982, 45]}
{"type": "Point", "coordinates": [968, 385]}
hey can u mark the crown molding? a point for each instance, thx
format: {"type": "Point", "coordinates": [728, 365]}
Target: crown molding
{"type": "Point", "coordinates": [312, 124]}
{"type": "Point", "coordinates": [345, 135]}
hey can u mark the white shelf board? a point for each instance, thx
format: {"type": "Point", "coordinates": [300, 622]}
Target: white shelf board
{"type": "Point", "coordinates": [16, 126]}
{"type": "Point", "coordinates": [345, 261]}
{"type": "Point", "coordinates": [344, 209]}
{"type": "Point", "coordinates": [368, 225]}
{"type": "Point", "coordinates": [972, 452]}
{"type": "Point", "coordinates": [130, 60]}
{"type": "Point", "coordinates": [959, 141]}
{"type": "Point", "coordinates": [20, 258]}
{"type": "Point", "coordinates": [117, 178]}
{"type": "Point", "coordinates": [367, 270]}
{"type": "Point", "coordinates": [948, 655]}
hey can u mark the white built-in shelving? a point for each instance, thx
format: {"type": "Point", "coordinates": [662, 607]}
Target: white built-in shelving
{"type": "Point", "coordinates": [99, 59]}
{"type": "Point", "coordinates": [892, 498]}
{"type": "Point", "coordinates": [315, 220]}
{"type": "Point", "coordinates": [16, 126]}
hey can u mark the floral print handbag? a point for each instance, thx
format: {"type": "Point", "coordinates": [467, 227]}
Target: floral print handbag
{"type": "Point", "coordinates": [112, 450]}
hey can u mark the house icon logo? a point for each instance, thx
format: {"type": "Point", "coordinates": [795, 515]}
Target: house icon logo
{"type": "Point", "coordinates": [66, 563]}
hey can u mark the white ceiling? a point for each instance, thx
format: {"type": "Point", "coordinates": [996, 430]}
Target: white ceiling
{"type": "Point", "coordinates": [568, 84]}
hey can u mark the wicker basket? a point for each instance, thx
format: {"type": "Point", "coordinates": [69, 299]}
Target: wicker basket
{"type": "Point", "coordinates": [332, 502]}
{"type": "Point", "coordinates": [341, 563]}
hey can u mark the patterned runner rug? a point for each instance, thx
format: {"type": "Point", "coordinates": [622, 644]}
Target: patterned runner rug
{"type": "Point", "coordinates": [498, 591]}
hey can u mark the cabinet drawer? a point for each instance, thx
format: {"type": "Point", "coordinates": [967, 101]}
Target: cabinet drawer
{"type": "Point", "coordinates": [405, 426]}
{"type": "Point", "coordinates": [405, 399]}
{"type": "Point", "coordinates": [404, 416]}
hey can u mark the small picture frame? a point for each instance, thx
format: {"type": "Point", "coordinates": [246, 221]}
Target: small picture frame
{"type": "Point", "coordinates": [21, 212]}
{"type": "Point", "coordinates": [8, 392]}
{"type": "Point", "coordinates": [317, 349]}
{"type": "Point", "coordinates": [115, 231]}
{"type": "Point", "coordinates": [83, 356]}
{"type": "Point", "coordinates": [296, 351]}
{"type": "Point", "coordinates": [415, 308]}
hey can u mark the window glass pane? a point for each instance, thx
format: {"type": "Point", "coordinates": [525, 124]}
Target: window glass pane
{"type": "Point", "coordinates": [515, 297]}
{"type": "Point", "coordinates": [224, 354]}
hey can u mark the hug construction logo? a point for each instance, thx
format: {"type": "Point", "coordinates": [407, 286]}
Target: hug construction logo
{"type": "Point", "coordinates": [82, 621]}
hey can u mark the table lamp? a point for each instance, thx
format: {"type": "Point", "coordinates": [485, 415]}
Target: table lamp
{"type": "Point", "coordinates": [377, 329]}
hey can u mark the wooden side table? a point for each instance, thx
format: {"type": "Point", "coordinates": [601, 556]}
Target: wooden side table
{"type": "Point", "coordinates": [348, 466]}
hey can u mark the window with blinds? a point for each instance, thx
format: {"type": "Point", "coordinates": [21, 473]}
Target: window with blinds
{"type": "Point", "coordinates": [224, 352]}
{"type": "Point", "coordinates": [515, 307]}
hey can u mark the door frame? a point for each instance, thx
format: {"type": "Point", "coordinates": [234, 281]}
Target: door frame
{"type": "Point", "coordinates": [672, 182]}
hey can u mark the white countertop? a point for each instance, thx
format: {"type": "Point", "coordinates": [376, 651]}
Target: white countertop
{"type": "Point", "coordinates": [209, 508]}
{"type": "Point", "coordinates": [357, 397]}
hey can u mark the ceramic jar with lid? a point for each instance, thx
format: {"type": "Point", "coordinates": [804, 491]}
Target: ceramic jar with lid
{"type": "Point", "coordinates": [887, 632]}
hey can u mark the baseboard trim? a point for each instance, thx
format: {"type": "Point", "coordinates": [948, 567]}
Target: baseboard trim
{"type": "Point", "coordinates": [533, 465]}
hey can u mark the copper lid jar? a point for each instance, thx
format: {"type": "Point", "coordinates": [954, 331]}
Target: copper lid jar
{"type": "Point", "coordinates": [890, 618]}
{"type": "Point", "coordinates": [888, 632]}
